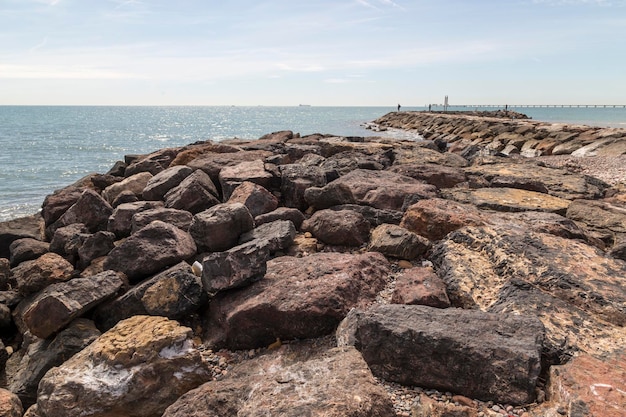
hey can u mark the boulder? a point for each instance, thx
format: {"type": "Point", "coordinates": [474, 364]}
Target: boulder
{"type": "Point", "coordinates": [30, 226]}
{"type": "Point", "coordinates": [57, 203]}
{"type": "Point", "coordinates": [126, 196]}
{"type": "Point", "coordinates": [509, 199]}
{"type": "Point", "coordinates": [440, 176]}
{"type": "Point", "coordinates": [476, 354]}
{"type": "Point", "coordinates": [33, 276]}
{"type": "Point", "coordinates": [295, 381]}
{"type": "Point", "coordinates": [195, 193]}
{"type": "Point", "coordinates": [67, 239]}
{"type": "Point", "coordinates": [299, 298]}
{"type": "Point", "coordinates": [120, 222]}
{"type": "Point", "coordinates": [90, 209]}
{"type": "Point", "coordinates": [138, 368]}
{"type": "Point", "coordinates": [213, 162]}
{"type": "Point", "coordinates": [6, 321]}
{"type": "Point", "coordinates": [152, 163]}
{"type": "Point", "coordinates": [564, 282]}
{"type": "Point", "coordinates": [435, 218]}
{"type": "Point", "coordinates": [375, 216]}
{"type": "Point", "coordinates": [599, 215]}
{"type": "Point", "coordinates": [258, 200]}
{"type": "Point", "coordinates": [151, 249]}
{"type": "Point", "coordinates": [56, 306]}
{"type": "Point", "coordinates": [295, 180]}
{"type": "Point", "coordinates": [343, 227]}
{"type": "Point", "coordinates": [27, 249]}
{"type": "Point", "coordinates": [236, 267]}
{"type": "Point", "coordinates": [161, 183]}
{"type": "Point", "coordinates": [420, 286]}
{"type": "Point", "coordinates": [252, 171]}
{"type": "Point", "coordinates": [94, 246]}
{"type": "Point", "coordinates": [174, 293]}
{"type": "Point", "coordinates": [420, 155]}
{"type": "Point", "coordinates": [135, 183]}
{"type": "Point", "coordinates": [281, 213]}
{"type": "Point", "coordinates": [397, 242]}
{"type": "Point", "coordinates": [5, 274]}
{"type": "Point", "coordinates": [219, 228]}
{"type": "Point", "coordinates": [379, 189]}
{"type": "Point", "coordinates": [41, 355]}
{"type": "Point", "coordinates": [278, 234]}
{"type": "Point", "coordinates": [179, 218]}
{"type": "Point", "coordinates": [10, 404]}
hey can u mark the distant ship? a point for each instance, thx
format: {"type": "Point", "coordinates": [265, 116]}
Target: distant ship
{"type": "Point", "coordinates": [304, 105]}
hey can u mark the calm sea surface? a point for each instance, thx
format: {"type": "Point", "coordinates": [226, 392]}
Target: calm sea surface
{"type": "Point", "coordinates": [43, 148]}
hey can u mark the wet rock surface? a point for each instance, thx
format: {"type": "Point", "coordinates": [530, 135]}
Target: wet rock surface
{"type": "Point", "coordinates": [499, 265]}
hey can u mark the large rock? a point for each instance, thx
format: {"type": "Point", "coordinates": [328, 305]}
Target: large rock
{"type": "Point", "coordinates": [41, 355]}
{"type": "Point", "coordinates": [151, 249]}
{"type": "Point", "coordinates": [27, 249]}
{"type": "Point", "coordinates": [218, 228]}
{"type": "Point", "coordinates": [135, 183]}
{"type": "Point", "coordinates": [56, 306]}
{"type": "Point", "coordinates": [375, 216]}
{"type": "Point", "coordinates": [509, 199]}
{"type": "Point", "coordinates": [564, 282]}
{"type": "Point", "coordinates": [152, 163]}
{"type": "Point", "coordinates": [179, 218]}
{"type": "Point", "coordinates": [298, 298]}
{"type": "Point", "coordinates": [138, 368]}
{"type": "Point", "coordinates": [278, 234]}
{"type": "Point", "coordinates": [174, 293]}
{"type": "Point", "coordinates": [236, 267]}
{"type": "Point", "coordinates": [258, 199]}
{"type": "Point", "coordinates": [33, 276]}
{"type": "Point", "coordinates": [195, 193]}
{"type": "Point", "coordinates": [57, 203]}
{"type": "Point", "coordinates": [599, 215]}
{"type": "Point", "coordinates": [480, 355]}
{"type": "Point", "coordinates": [435, 218]}
{"type": "Point", "coordinates": [94, 246]}
{"type": "Point", "coordinates": [233, 176]}
{"type": "Point", "coordinates": [30, 226]}
{"type": "Point", "coordinates": [5, 274]}
{"type": "Point", "coordinates": [438, 175]}
{"type": "Point", "coordinates": [281, 213]}
{"type": "Point", "coordinates": [296, 179]}
{"type": "Point", "coordinates": [90, 209]}
{"type": "Point", "coordinates": [161, 183]}
{"type": "Point", "coordinates": [213, 162]}
{"type": "Point", "coordinates": [343, 227]}
{"type": "Point", "coordinates": [420, 286]}
{"type": "Point", "coordinates": [397, 242]}
{"type": "Point", "coordinates": [379, 189]}
{"type": "Point", "coordinates": [296, 381]}
{"type": "Point", "coordinates": [10, 404]}
{"type": "Point", "coordinates": [120, 222]}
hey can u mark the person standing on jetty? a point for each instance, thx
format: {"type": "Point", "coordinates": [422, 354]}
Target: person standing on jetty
{"type": "Point", "coordinates": [399, 106]}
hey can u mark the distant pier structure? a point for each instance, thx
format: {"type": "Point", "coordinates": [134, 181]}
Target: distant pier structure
{"type": "Point", "coordinates": [519, 106]}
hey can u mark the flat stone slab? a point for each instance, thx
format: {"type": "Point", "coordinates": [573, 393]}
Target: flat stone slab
{"type": "Point", "coordinates": [509, 199]}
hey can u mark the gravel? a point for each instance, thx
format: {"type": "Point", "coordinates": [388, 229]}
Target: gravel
{"type": "Point", "coordinates": [610, 169]}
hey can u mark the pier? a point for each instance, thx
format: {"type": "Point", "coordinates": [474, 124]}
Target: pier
{"type": "Point", "coordinates": [520, 106]}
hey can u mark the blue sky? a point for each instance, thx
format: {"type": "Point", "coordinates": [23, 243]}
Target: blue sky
{"type": "Point", "coordinates": [325, 52]}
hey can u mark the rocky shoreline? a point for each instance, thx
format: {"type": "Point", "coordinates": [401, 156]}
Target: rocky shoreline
{"type": "Point", "coordinates": [325, 275]}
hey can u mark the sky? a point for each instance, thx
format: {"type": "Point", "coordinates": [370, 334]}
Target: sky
{"type": "Point", "coordinates": [317, 52]}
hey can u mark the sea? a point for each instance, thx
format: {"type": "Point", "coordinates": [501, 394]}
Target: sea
{"type": "Point", "coordinates": [45, 148]}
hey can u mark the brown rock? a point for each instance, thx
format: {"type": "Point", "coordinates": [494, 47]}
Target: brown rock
{"type": "Point", "coordinates": [95, 246]}
{"type": "Point", "coordinates": [299, 298]}
{"type": "Point", "coordinates": [476, 354]}
{"type": "Point", "coordinates": [57, 203]}
{"type": "Point", "coordinates": [252, 171]}
{"type": "Point", "coordinates": [509, 199]}
{"type": "Point", "coordinates": [90, 209]}
{"type": "Point", "coordinates": [152, 163]}
{"type": "Point", "coordinates": [599, 215]}
{"type": "Point", "coordinates": [135, 183]}
{"type": "Point", "coordinates": [120, 221]}
{"type": "Point", "coordinates": [428, 407]}
{"type": "Point", "coordinates": [281, 213]}
{"type": "Point", "coordinates": [30, 226]}
{"type": "Point", "coordinates": [435, 218]}
{"type": "Point", "coordinates": [258, 200]}
{"type": "Point", "coordinates": [5, 274]}
{"type": "Point", "coordinates": [138, 368]}
{"type": "Point", "coordinates": [27, 249]}
{"type": "Point", "coordinates": [419, 155]}
{"type": "Point", "coordinates": [151, 249]}
{"type": "Point", "coordinates": [179, 218]}
{"type": "Point", "coordinates": [397, 242]}
{"type": "Point", "coordinates": [212, 163]}
{"type": "Point", "coordinates": [295, 180]}
{"type": "Point", "coordinates": [292, 382]}
{"type": "Point", "coordinates": [219, 228]}
{"type": "Point", "coordinates": [67, 240]}
{"type": "Point", "coordinates": [10, 404]}
{"type": "Point", "coordinates": [343, 227]}
{"type": "Point", "coordinates": [33, 276]}
{"type": "Point", "coordinates": [161, 183]}
{"type": "Point", "coordinates": [440, 176]}
{"type": "Point", "coordinates": [56, 306]}
{"type": "Point", "coordinates": [194, 194]}
{"type": "Point", "coordinates": [420, 286]}
{"type": "Point", "coordinates": [278, 234]}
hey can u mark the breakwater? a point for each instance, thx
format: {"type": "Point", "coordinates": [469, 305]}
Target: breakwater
{"type": "Point", "coordinates": [509, 133]}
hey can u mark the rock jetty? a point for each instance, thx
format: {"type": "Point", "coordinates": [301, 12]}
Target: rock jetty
{"type": "Point", "coordinates": [325, 276]}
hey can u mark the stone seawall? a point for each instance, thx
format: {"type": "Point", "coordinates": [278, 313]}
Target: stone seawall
{"type": "Point", "coordinates": [510, 135]}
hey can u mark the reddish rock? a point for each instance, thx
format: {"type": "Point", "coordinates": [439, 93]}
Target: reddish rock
{"type": "Point", "coordinates": [258, 200]}
{"type": "Point", "coordinates": [30, 226]}
{"type": "Point", "coordinates": [278, 234]}
{"type": "Point", "coordinates": [299, 298]}
{"type": "Point", "coordinates": [195, 193]}
{"type": "Point", "coordinates": [397, 242]}
{"type": "Point", "coordinates": [480, 355]}
{"type": "Point", "coordinates": [438, 175]}
{"type": "Point", "coordinates": [151, 249]}
{"type": "Point", "coordinates": [152, 163]}
{"type": "Point", "coordinates": [435, 218]}
{"type": "Point", "coordinates": [295, 180]}
{"type": "Point", "coordinates": [135, 183]}
{"type": "Point", "coordinates": [379, 189]}
{"type": "Point", "coordinates": [600, 215]}
{"type": "Point", "coordinates": [90, 209]}
{"type": "Point", "coordinates": [219, 228]}
{"type": "Point", "coordinates": [161, 183]}
{"type": "Point", "coordinates": [179, 218]}
{"type": "Point", "coordinates": [120, 221]}
{"type": "Point", "coordinates": [212, 163]}
{"type": "Point", "coordinates": [10, 404]}
{"type": "Point", "coordinates": [295, 381]}
{"type": "Point", "coordinates": [233, 176]}
{"type": "Point", "coordinates": [94, 246]}
{"type": "Point", "coordinates": [281, 213]}
{"type": "Point", "coordinates": [343, 228]}
{"type": "Point", "coordinates": [57, 203]}
{"type": "Point", "coordinates": [5, 274]}
{"type": "Point", "coordinates": [138, 368]}
{"type": "Point", "coordinates": [33, 276]}
{"type": "Point", "coordinates": [56, 306]}
{"type": "Point", "coordinates": [27, 249]}
{"type": "Point", "coordinates": [509, 199]}
{"type": "Point", "coordinates": [420, 286]}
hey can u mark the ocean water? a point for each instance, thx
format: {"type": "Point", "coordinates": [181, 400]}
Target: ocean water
{"type": "Point", "coordinates": [44, 148]}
